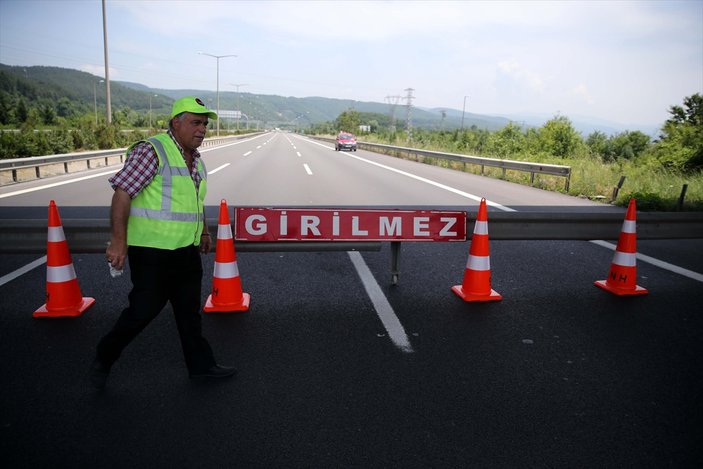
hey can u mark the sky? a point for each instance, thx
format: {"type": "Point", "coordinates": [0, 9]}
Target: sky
{"type": "Point", "coordinates": [619, 61]}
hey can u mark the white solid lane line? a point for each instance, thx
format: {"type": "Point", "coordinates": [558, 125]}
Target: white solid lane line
{"type": "Point", "coordinates": [385, 312]}
{"type": "Point", "coordinates": [56, 184]}
{"type": "Point", "coordinates": [22, 270]}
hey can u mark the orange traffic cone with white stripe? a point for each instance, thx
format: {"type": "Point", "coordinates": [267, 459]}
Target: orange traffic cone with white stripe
{"type": "Point", "coordinates": [226, 285]}
{"type": "Point", "coordinates": [477, 275]}
{"type": "Point", "coordinates": [63, 295]}
{"type": "Point", "coordinates": [622, 276]}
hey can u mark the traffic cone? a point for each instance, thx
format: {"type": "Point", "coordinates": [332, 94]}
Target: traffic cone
{"type": "Point", "coordinates": [477, 275]}
{"type": "Point", "coordinates": [63, 295]}
{"type": "Point", "coordinates": [226, 285]}
{"type": "Point", "coordinates": [622, 276]}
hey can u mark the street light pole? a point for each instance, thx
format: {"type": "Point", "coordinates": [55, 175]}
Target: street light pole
{"type": "Point", "coordinates": [95, 100]}
{"type": "Point", "coordinates": [108, 107]}
{"type": "Point", "coordinates": [462, 113]}
{"type": "Point", "coordinates": [150, 109]}
{"type": "Point", "coordinates": [218, 57]}
{"type": "Point", "coordinates": [237, 85]}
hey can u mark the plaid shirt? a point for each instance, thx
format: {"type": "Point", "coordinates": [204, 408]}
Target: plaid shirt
{"type": "Point", "coordinates": [141, 167]}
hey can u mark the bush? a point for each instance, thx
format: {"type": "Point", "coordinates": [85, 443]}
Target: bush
{"type": "Point", "coordinates": [59, 141]}
{"type": "Point", "coordinates": [647, 202]}
{"type": "Point", "coordinates": [106, 136]}
{"type": "Point", "coordinates": [8, 144]}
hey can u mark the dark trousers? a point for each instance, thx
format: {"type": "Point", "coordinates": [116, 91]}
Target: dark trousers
{"type": "Point", "coordinates": [159, 276]}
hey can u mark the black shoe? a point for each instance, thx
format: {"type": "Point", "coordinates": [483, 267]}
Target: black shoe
{"type": "Point", "coordinates": [98, 374]}
{"type": "Point", "coordinates": [214, 372]}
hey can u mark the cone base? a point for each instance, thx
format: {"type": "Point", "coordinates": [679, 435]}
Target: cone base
{"type": "Point", "coordinates": [493, 296]}
{"type": "Point", "coordinates": [621, 291]}
{"type": "Point", "coordinates": [44, 312]}
{"type": "Point", "coordinates": [227, 308]}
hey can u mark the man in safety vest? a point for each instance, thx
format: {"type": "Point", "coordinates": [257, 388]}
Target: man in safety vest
{"type": "Point", "coordinates": [158, 212]}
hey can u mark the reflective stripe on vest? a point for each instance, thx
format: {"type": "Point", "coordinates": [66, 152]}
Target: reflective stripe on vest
{"type": "Point", "coordinates": [166, 216]}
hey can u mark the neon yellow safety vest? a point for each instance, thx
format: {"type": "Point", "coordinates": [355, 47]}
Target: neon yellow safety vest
{"type": "Point", "coordinates": [168, 212]}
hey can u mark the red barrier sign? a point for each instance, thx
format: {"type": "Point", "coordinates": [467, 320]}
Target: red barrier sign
{"type": "Point", "coordinates": [266, 224]}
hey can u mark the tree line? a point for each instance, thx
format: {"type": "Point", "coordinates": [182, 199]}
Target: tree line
{"type": "Point", "coordinates": [679, 147]}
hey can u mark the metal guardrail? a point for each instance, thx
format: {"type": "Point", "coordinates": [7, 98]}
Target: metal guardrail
{"type": "Point", "coordinates": [524, 166]}
{"type": "Point", "coordinates": [91, 235]}
{"type": "Point", "coordinates": [38, 167]}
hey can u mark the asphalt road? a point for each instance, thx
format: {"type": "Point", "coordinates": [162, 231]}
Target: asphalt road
{"type": "Point", "coordinates": [557, 374]}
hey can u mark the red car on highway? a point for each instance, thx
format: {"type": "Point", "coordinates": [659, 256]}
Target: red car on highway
{"type": "Point", "coordinates": [345, 141]}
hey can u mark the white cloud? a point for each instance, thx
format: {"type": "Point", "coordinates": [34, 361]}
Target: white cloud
{"type": "Point", "coordinates": [351, 21]}
{"type": "Point", "coordinates": [522, 76]}
{"type": "Point", "coordinates": [582, 92]}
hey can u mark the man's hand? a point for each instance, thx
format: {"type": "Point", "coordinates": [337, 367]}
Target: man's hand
{"type": "Point", "coordinates": [205, 243]}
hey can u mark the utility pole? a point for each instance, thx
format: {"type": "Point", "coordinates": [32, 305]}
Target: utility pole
{"type": "Point", "coordinates": [408, 110]}
{"type": "Point", "coordinates": [237, 85]}
{"type": "Point", "coordinates": [95, 100]}
{"type": "Point", "coordinates": [463, 110]}
{"type": "Point", "coordinates": [107, 71]}
{"type": "Point", "coordinates": [393, 103]}
{"type": "Point", "coordinates": [150, 96]}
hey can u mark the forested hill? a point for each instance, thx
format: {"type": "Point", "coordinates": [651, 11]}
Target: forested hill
{"type": "Point", "coordinates": [72, 92]}
{"type": "Point", "coordinates": [69, 91]}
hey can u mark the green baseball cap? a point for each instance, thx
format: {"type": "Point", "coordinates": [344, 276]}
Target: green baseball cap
{"type": "Point", "coordinates": [193, 105]}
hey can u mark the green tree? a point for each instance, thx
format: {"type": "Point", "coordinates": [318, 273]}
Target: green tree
{"type": "Point", "coordinates": [533, 143]}
{"type": "Point", "coordinates": [64, 107]}
{"type": "Point", "coordinates": [559, 138]}
{"type": "Point", "coordinates": [628, 145]}
{"type": "Point", "coordinates": [692, 114]}
{"type": "Point", "coordinates": [48, 115]}
{"type": "Point", "coordinates": [681, 143]}
{"type": "Point", "coordinates": [507, 142]}
{"type": "Point", "coordinates": [5, 108]}
{"type": "Point", "coordinates": [21, 111]}
{"type": "Point", "coordinates": [9, 142]}
{"type": "Point", "coordinates": [348, 121]}
{"type": "Point", "coordinates": [598, 143]}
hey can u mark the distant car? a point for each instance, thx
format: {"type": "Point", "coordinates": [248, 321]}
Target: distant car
{"type": "Point", "coordinates": [345, 141]}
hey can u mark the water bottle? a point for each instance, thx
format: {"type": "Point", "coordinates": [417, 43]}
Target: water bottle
{"type": "Point", "coordinates": [114, 272]}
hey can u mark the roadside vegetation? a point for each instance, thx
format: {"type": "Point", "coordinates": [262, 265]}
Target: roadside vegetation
{"type": "Point", "coordinates": [36, 132]}
{"type": "Point", "coordinates": [657, 173]}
